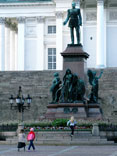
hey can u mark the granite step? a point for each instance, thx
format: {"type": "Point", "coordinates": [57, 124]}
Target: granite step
{"type": "Point", "coordinates": [64, 142]}
{"type": "Point", "coordinates": [66, 139]}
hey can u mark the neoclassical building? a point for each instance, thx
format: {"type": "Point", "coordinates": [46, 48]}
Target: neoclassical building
{"type": "Point", "coordinates": [32, 35]}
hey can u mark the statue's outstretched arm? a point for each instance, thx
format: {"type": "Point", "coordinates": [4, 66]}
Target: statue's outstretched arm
{"type": "Point", "coordinates": [67, 19]}
{"type": "Point", "coordinates": [100, 74]}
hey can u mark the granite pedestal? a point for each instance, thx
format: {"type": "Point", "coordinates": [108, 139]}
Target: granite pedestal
{"type": "Point", "coordinates": [66, 110]}
{"type": "Point", "coordinates": [94, 111]}
{"type": "Point", "coordinates": [75, 59]}
{"type": "Point", "coordinates": [78, 110]}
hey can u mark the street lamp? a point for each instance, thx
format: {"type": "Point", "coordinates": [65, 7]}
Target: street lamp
{"type": "Point", "coordinates": [18, 103]}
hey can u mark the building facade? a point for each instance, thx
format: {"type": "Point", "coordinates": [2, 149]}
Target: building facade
{"type": "Point", "coordinates": [32, 35]}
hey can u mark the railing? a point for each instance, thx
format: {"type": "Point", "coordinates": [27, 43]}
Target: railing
{"type": "Point", "coordinates": [108, 127]}
{"type": "Point", "coordinates": [6, 128]}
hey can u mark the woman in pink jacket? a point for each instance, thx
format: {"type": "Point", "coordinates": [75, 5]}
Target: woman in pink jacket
{"type": "Point", "coordinates": [31, 137]}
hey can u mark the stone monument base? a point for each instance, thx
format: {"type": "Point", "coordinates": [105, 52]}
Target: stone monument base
{"type": "Point", "coordinates": [94, 110]}
{"type": "Point", "coordinates": [66, 110]}
{"type": "Point", "coordinates": [75, 58]}
{"type": "Point", "coordinates": [78, 110]}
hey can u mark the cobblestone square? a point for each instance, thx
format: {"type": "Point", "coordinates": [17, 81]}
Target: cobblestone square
{"type": "Point", "coordinates": [11, 150]}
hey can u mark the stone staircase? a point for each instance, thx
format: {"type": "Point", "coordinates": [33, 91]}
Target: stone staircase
{"type": "Point", "coordinates": [64, 138]}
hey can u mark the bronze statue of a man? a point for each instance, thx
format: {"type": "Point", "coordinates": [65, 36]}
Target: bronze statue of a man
{"type": "Point", "coordinates": [75, 21]}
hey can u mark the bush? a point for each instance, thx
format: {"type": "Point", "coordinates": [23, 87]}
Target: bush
{"type": "Point", "coordinates": [60, 123]}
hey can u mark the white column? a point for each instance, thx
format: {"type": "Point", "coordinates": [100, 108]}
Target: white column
{"type": "Point", "coordinates": [105, 30]}
{"type": "Point", "coordinates": [100, 63]}
{"type": "Point", "coordinates": [21, 44]}
{"type": "Point", "coordinates": [40, 44]}
{"type": "Point", "coordinates": [16, 50]}
{"type": "Point", "coordinates": [2, 44]}
{"type": "Point", "coordinates": [7, 48]}
{"type": "Point", "coordinates": [77, 3]}
{"type": "Point", "coordinates": [12, 50]}
{"type": "Point", "coordinates": [59, 40]}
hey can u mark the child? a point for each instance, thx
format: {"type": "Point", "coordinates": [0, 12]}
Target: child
{"type": "Point", "coordinates": [31, 137]}
{"type": "Point", "coordinates": [72, 124]}
{"type": "Point", "coordinates": [21, 140]}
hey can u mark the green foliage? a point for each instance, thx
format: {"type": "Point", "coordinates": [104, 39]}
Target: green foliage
{"type": "Point", "coordinates": [38, 124]}
{"type": "Point", "coordinates": [59, 122]}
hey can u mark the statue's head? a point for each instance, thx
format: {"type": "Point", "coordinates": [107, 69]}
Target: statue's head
{"type": "Point", "coordinates": [89, 72]}
{"type": "Point", "coordinates": [73, 4]}
{"type": "Point", "coordinates": [56, 74]}
{"type": "Point", "coordinates": [68, 71]}
{"type": "Point", "coordinates": [75, 76]}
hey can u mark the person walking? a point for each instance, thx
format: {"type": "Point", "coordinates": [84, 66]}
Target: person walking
{"type": "Point", "coordinates": [72, 124]}
{"type": "Point", "coordinates": [31, 138]}
{"type": "Point", "coordinates": [21, 140]}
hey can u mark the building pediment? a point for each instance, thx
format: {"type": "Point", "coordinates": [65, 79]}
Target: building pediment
{"type": "Point", "coordinates": [14, 3]}
{"type": "Point", "coordinates": [23, 1]}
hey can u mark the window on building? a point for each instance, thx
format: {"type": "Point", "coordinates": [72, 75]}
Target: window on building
{"type": "Point", "coordinates": [51, 29]}
{"type": "Point", "coordinates": [51, 58]}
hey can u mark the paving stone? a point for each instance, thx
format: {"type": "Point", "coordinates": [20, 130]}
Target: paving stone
{"type": "Point", "coordinates": [71, 150]}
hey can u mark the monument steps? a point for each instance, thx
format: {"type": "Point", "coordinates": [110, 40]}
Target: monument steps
{"type": "Point", "coordinates": [63, 138]}
{"type": "Point", "coordinates": [97, 141]}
